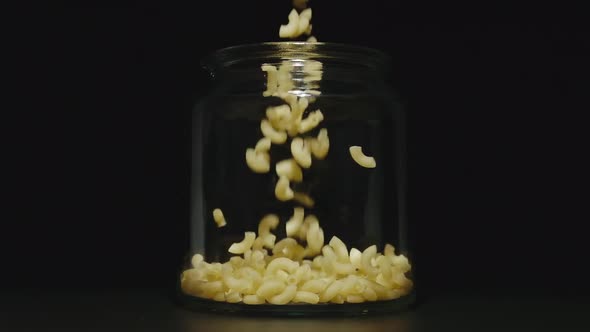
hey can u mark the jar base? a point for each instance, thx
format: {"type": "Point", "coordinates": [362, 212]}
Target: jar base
{"type": "Point", "coordinates": [297, 310]}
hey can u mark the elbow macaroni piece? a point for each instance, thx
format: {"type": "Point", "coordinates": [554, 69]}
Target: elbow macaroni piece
{"type": "Point", "coordinates": [258, 161]}
{"type": "Point", "coordinates": [270, 288]}
{"type": "Point", "coordinates": [356, 152]}
{"type": "Point", "coordinates": [313, 120]}
{"type": "Point", "coordinates": [285, 296]}
{"type": "Point", "coordinates": [281, 263]}
{"type": "Point", "coordinates": [271, 80]}
{"type": "Point", "coordinates": [275, 136]}
{"type": "Point", "coordinates": [306, 297]}
{"type": "Point", "coordinates": [320, 145]}
{"type": "Point", "coordinates": [301, 152]}
{"type": "Point", "coordinates": [315, 237]}
{"type": "Point", "coordinates": [263, 145]}
{"type": "Point", "coordinates": [304, 199]}
{"type": "Point", "coordinates": [283, 191]}
{"type": "Point", "coordinates": [294, 224]}
{"type": "Point", "coordinates": [279, 116]}
{"type": "Point", "coordinates": [339, 248]}
{"type": "Point", "coordinates": [290, 169]}
{"type": "Point", "coordinates": [219, 218]}
{"type": "Point", "coordinates": [245, 245]}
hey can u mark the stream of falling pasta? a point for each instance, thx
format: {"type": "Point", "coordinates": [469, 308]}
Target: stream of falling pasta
{"type": "Point", "coordinates": [264, 270]}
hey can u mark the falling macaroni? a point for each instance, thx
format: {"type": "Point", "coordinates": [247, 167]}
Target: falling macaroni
{"type": "Point", "coordinates": [356, 152]}
{"type": "Point", "coordinates": [219, 218]}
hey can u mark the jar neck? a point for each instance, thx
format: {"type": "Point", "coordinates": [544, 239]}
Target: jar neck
{"type": "Point", "coordinates": [298, 68]}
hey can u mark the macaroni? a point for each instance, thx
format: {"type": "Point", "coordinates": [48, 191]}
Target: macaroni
{"type": "Point", "coordinates": [258, 162]}
{"type": "Point", "coordinates": [246, 244]}
{"type": "Point", "coordinates": [219, 218]}
{"type": "Point", "coordinates": [356, 152]}
{"type": "Point", "coordinates": [282, 190]}
{"type": "Point", "coordinates": [303, 199]}
{"type": "Point", "coordinates": [294, 224]}
{"type": "Point", "coordinates": [301, 152]}
{"type": "Point", "coordinates": [285, 296]}
{"type": "Point", "coordinates": [290, 169]}
{"type": "Point", "coordinates": [275, 136]}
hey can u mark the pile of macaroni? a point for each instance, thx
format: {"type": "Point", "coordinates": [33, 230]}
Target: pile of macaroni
{"type": "Point", "coordinates": [300, 268]}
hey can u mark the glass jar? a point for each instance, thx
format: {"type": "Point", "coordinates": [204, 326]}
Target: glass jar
{"type": "Point", "coordinates": [286, 217]}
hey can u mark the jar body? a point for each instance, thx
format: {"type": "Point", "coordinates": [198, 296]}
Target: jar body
{"type": "Point", "coordinates": [362, 207]}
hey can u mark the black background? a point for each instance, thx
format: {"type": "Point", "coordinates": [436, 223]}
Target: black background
{"type": "Point", "coordinates": [98, 183]}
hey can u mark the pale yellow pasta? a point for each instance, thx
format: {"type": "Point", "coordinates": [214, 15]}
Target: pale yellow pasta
{"type": "Point", "coordinates": [244, 245]}
{"type": "Point", "coordinates": [305, 226]}
{"type": "Point", "coordinates": [317, 262]}
{"type": "Point", "coordinates": [315, 285]}
{"type": "Point", "coordinates": [315, 237]}
{"type": "Point", "coordinates": [279, 116]}
{"type": "Point", "coordinates": [253, 299]}
{"type": "Point", "coordinates": [271, 80]}
{"type": "Point", "coordinates": [366, 257]}
{"type": "Point", "coordinates": [401, 281]}
{"type": "Point", "coordinates": [355, 258]}
{"type": "Point", "coordinates": [312, 39]}
{"type": "Point", "coordinates": [343, 268]}
{"type": "Point", "coordinates": [306, 297]}
{"type": "Point", "coordinates": [268, 223]}
{"type": "Point", "coordinates": [281, 263]}
{"type": "Point", "coordinates": [209, 289]}
{"type": "Point", "coordinates": [383, 281]}
{"type": "Point", "coordinates": [258, 162]}
{"type": "Point", "coordinates": [356, 152]}
{"type": "Point", "coordinates": [236, 261]}
{"type": "Point", "coordinates": [303, 273]}
{"type": "Point", "coordinates": [283, 247]}
{"type": "Point", "coordinates": [301, 152]}
{"type": "Point", "coordinates": [233, 297]}
{"type": "Point", "coordinates": [311, 121]}
{"type": "Point", "coordinates": [298, 106]}
{"type": "Point", "coordinates": [333, 289]}
{"type": "Point", "coordinates": [401, 262]}
{"type": "Point", "coordinates": [263, 145]}
{"type": "Point", "coordinates": [369, 294]}
{"type": "Point", "coordinates": [283, 191]}
{"type": "Point", "coordinates": [303, 199]}
{"type": "Point", "coordinates": [219, 218]}
{"type": "Point", "coordinates": [352, 285]}
{"type": "Point", "coordinates": [270, 288]}
{"type": "Point", "coordinates": [285, 296]}
{"type": "Point", "coordinates": [320, 145]}
{"type": "Point", "coordinates": [339, 248]}
{"type": "Point", "coordinates": [290, 169]}
{"type": "Point", "coordinates": [384, 265]}
{"type": "Point", "coordinates": [292, 226]}
{"type": "Point", "coordinates": [275, 136]}
{"type": "Point", "coordinates": [355, 299]}
{"type": "Point", "coordinates": [389, 250]}
{"type": "Point", "coordinates": [290, 29]}
{"type": "Point", "coordinates": [338, 299]}
{"type": "Point", "coordinates": [219, 297]}
{"type": "Point", "coordinates": [303, 22]}
{"type": "Point", "coordinates": [196, 260]}
{"type": "Point", "coordinates": [237, 284]}
{"type": "Point", "coordinates": [282, 275]}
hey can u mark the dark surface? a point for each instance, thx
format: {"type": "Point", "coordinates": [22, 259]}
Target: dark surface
{"type": "Point", "coordinates": [153, 311]}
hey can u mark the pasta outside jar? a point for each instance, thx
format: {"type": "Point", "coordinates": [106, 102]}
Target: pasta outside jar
{"type": "Point", "coordinates": [298, 184]}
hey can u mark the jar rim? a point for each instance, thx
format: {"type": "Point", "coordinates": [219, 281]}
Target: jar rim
{"type": "Point", "coordinates": [278, 51]}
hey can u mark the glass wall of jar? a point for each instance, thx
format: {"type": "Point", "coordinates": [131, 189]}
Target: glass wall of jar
{"type": "Point", "coordinates": [298, 184]}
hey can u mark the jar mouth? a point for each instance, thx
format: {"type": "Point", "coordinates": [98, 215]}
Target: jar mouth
{"type": "Point", "coordinates": [275, 52]}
